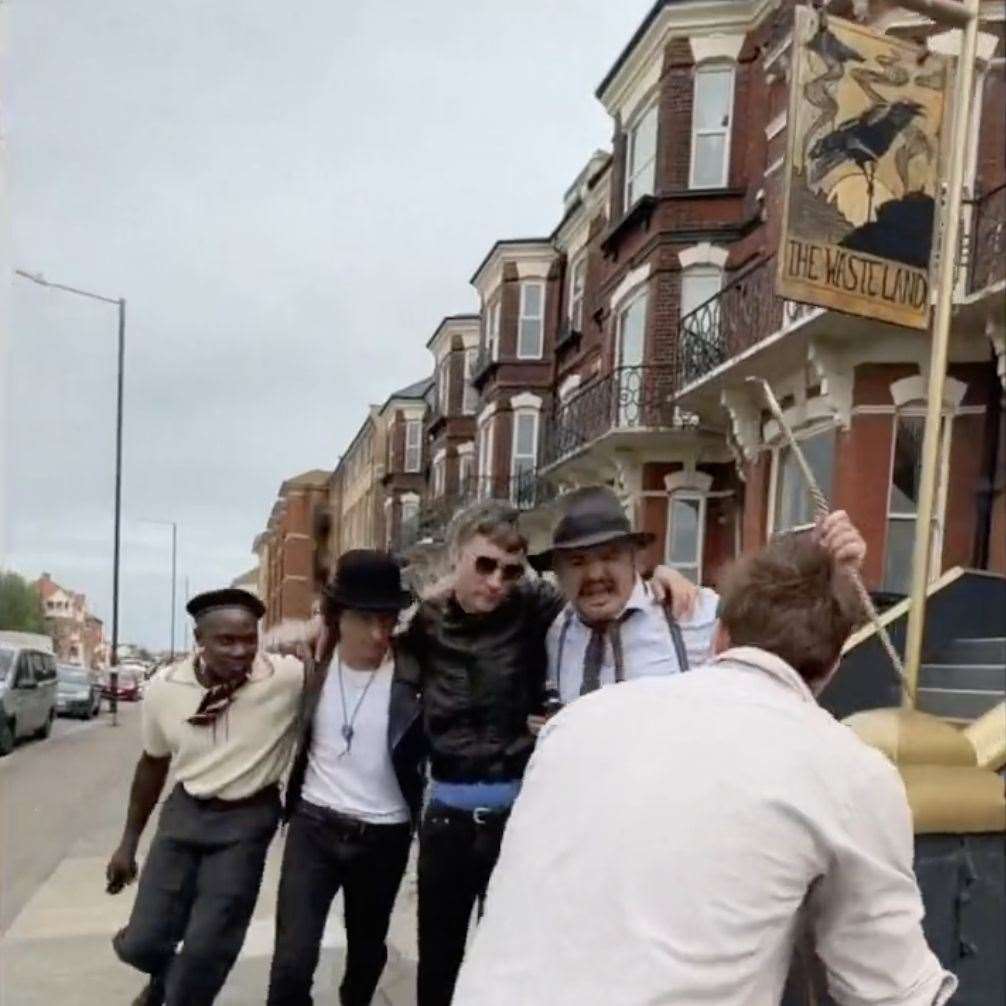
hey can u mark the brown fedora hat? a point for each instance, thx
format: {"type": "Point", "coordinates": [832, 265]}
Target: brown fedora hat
{"type": "Point", "coordinates": [591, 516]}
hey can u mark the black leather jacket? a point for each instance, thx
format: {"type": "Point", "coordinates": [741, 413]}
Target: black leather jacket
{"type": "Point", "coordinates": [481, 676]}
{"type": "Point", "coordinates": [405, 734]}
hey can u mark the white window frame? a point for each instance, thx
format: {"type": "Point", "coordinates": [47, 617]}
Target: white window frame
{"type": "Point", "coordinates": [575, 312]}
{"type": "Point", "coordinates": [409, 510]}
{"type": "Point", "coordinates": [413, 460]}
{"type": "Point", "coordinates": [492, 325]}
{"type": "Point", "coordinates": [686, 496]}
{"type": "Point", "coordinates": [519, 414]}
{"type": "Point", "coordinates": [717, 66]}
{"type": "Point", "coordinates": [627, 409]}
{"type": "Point", "coordinates": [486, 446]}
{"type": "Point", "coordinates": [444, 385]}
{"type": "Point", "coordinates": [641, 180]}
{"type": "Point", "coordinates": [524, 317]}
{"type": "Point", "coordinates": [466, 468]}
{"type": "Point", "coordinates": [439, 480]}
{"type": "Point", "coordinates": [698, 272]}
{"type": "Point", "coordinates": [936, 541]}
{"type": "Point", "coordinates": [470, 403]}
{"type": "Point", "coordinates": [809, 433]}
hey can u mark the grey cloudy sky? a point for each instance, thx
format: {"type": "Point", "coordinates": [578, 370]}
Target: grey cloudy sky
{"type": "Point", "coordinates": [289, 196]}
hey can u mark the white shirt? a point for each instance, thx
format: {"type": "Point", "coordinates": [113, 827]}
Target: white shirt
{"type": "Point", "coordinates": [646, 641]}
{"type": "Point", "coordinates": [666, 836]}
{"type": "Point", "coordinates": [250, 745]}
{"type": "Point", "coordinates": [360, 782]}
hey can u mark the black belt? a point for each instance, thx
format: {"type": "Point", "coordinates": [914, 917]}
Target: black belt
{"type": "Point", "coordinates": [270, 794]}
{"type": "Point", "coordinates": [478, 815]}
{"type": "Point", "coordinates": [347, 825]}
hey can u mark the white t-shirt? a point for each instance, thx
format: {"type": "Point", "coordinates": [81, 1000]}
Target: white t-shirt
{"type": "Point", "coordinates": [250, 745]}
{"type": "Point", "coordinates": [360, 781]}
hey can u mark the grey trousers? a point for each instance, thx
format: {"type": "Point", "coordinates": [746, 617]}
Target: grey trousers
{"type": "Point", "coordinates": [198, 888]}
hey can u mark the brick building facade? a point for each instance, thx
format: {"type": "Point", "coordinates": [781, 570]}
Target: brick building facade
{"type": "Point", "coordinates": [616, 348]}
{"type": "Point", "coordinates": [78, 636]}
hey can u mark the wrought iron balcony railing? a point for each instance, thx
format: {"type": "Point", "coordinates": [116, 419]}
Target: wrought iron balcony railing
{"type": "Point", "coordinates": [626, 399]}
{"type": "Point", "coordinates": [743, 313]}
{"type": "Point", "coordinates": [987, 251]}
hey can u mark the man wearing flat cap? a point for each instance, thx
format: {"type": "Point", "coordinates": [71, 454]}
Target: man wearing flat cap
{"type": "Point", "coordinates": [225, 722]}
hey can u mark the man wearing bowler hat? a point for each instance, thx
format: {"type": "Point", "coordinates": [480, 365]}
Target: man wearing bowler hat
{"type": "Point", "coordinates": [355, 790]}
{"type": "Point", "coordinates": [224, 721]}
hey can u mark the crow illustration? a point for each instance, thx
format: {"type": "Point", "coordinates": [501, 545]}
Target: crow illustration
{"type": "Point", "coordinates": [834, 53]}
{"type": "Point", "coordinates": [863, 140]}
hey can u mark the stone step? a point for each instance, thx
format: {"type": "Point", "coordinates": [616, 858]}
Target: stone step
{"type": "Point", "coordinates": [957, 704]}
{"type": "Point", "coordinates": [988, 650]}
{"type": "Point", "coordinates": [970, 677]}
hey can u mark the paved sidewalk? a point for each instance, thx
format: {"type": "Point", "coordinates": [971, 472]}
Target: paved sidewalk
{"type": "Point", "coordinates": [56, 949]}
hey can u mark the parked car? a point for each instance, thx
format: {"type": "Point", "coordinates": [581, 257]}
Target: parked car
{"type": "Point", "coordinates": [77, 692]}
{"type": "Point", "coordinates": [128, 685]}
{"type": "Point", "coordinates": [27, 692]}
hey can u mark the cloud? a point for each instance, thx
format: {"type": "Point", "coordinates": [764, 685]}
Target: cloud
{"type": "Point", "coordinates": [289, 198]}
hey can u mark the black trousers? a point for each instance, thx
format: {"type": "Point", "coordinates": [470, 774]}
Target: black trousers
{"type": "Point", "coordinates": [457, 854]}
{"type": "Point", "coordinates": [198, 887]}
{"type": "Point", "coordinates": [322, 855]}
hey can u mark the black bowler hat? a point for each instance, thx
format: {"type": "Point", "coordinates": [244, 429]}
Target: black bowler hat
{"type": "Point", "coordinates": [368, 580]}
{"type": "Point", "coordinates": [229, 597]}
{"type": "Point", "coordinates": [591, 516]}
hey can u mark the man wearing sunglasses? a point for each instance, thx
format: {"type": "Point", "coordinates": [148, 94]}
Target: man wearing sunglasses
{"type": "Point", "coordinates": [481, 650]}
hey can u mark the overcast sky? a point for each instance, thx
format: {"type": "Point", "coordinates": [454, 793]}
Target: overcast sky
{"type": "Point", "coordinates": [289, 196]}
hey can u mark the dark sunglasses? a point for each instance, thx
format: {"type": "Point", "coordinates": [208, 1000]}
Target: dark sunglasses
{"type": "Point", "coordinates": [510, 572]}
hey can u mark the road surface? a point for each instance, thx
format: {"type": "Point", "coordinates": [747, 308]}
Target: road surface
{"type": "Point", "coordinates": [61, 810]}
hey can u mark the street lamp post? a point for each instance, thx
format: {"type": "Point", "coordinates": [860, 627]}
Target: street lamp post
{"type": "Point", "coordinates": [120, 303]}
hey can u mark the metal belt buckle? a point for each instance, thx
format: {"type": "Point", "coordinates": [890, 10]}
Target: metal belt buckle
{"type": "Point", "coordinates": [479, 814]}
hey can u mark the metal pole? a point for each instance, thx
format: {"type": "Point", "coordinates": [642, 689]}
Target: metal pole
{"type": "Point", "coordinates": [921, 556]}
{"type": "Point", "coordinates": [113, 674]}
{"type": "Point", "coordinates": [174, 568]}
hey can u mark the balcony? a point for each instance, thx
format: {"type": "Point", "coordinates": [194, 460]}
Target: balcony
{"type": "Point", "coordinates": [987, 251]}
{"type": "Point", "coordinates": [743, 313]}
{"type": "Point", "coordinates": [618, 409]}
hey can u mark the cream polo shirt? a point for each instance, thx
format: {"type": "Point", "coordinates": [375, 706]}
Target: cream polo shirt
{"type": "Point", "coordinates": [671, 832]}
{"type": "Point", "coordinates": [250, 745]}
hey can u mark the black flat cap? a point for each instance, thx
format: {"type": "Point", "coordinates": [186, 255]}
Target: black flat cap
{"type": "Point", "coordinates": [229, 597]}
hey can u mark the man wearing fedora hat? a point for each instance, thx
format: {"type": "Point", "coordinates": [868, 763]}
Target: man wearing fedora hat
{"type": "Point", "coordinates": [612, 628]}
{"type": "Point", "coordinates": [355, 789]}
{"type": "Point", "coordinates": [224, 721]}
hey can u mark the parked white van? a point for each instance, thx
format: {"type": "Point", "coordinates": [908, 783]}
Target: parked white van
{"type": "Point", "coordinates": [27, 687]}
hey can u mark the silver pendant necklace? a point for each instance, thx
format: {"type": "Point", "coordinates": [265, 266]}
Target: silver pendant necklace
{"type": "Point", "coordinates": [347, 719]}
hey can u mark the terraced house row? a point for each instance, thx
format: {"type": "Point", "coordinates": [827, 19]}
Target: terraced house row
{"type": "Point", "coordinates": [615, 348]}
